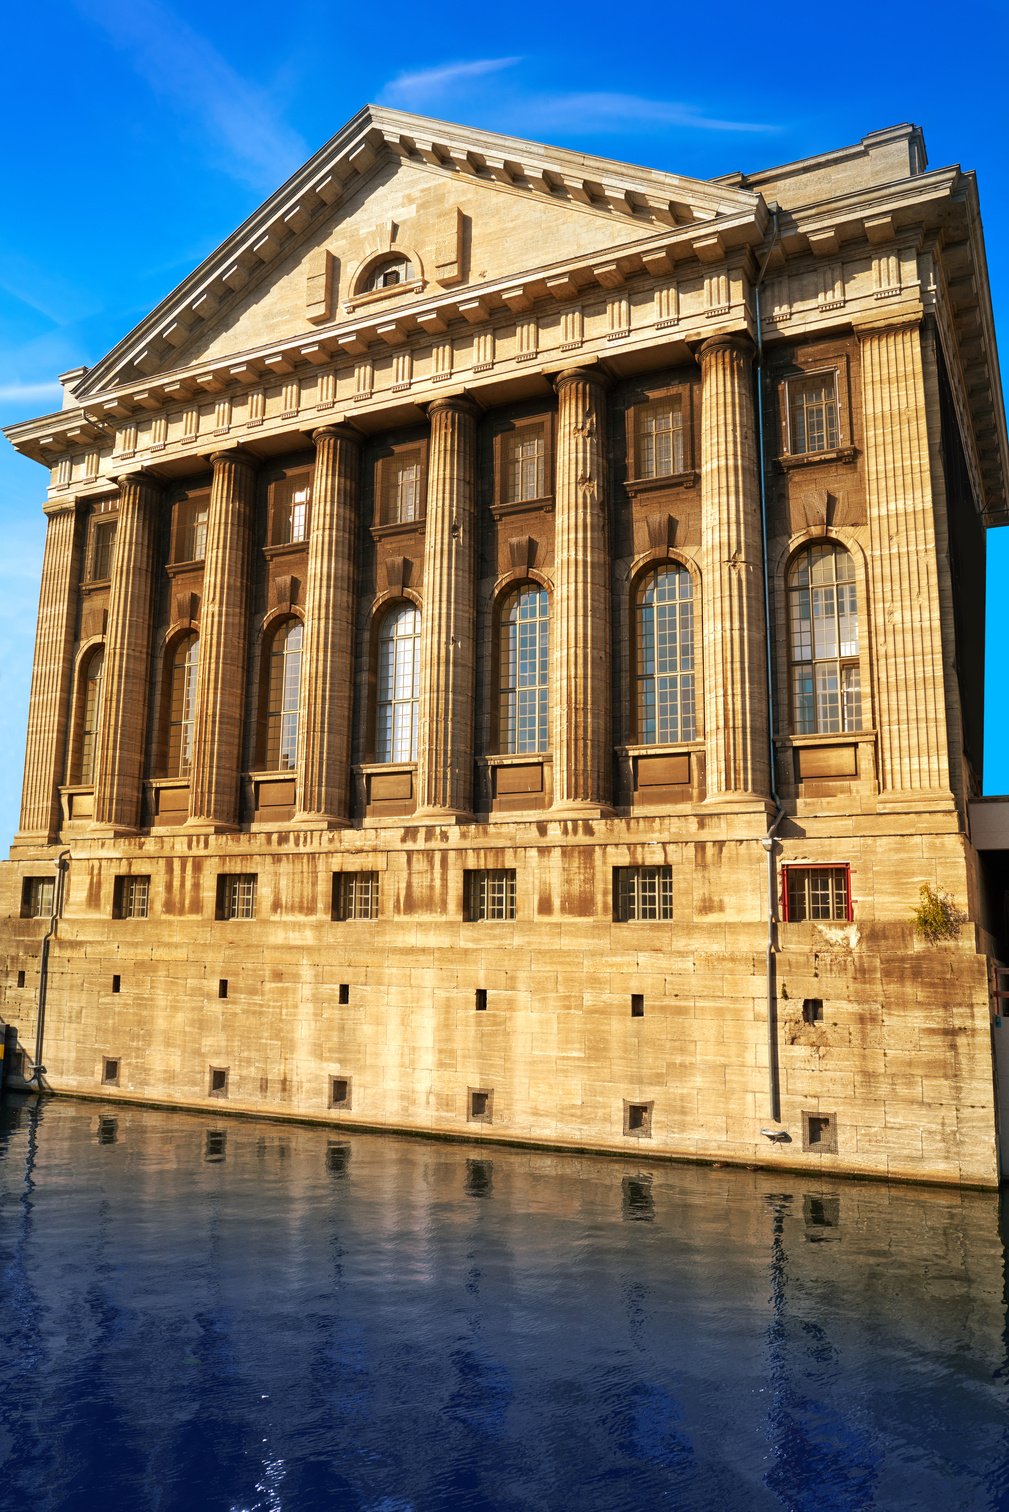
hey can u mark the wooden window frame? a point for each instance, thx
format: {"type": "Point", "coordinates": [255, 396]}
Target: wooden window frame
{"type": "Point", "coordinates": [477, 905]}
{"type": "Point", "coordinates": [627, 907]}
{"type": "Point", "coordinates": [346, 906]}
{"type": "Point", "coordinates": [505, 432]}
{"type": "Point", "coordinates": [696, 672]}
{"type": "Point", "coordinates": [383, 468]}
{"type": "Point", "coordinates": [101, 523]}
{"type": "Point", "coordinates": [296, 476]}
{"type": "Point", "coordinates": [499, 721]}
{"type": "Point", "coordinates": [835, 549]}
{"type": "Point", "coordinates": [181, 506]}
{"type": "Point", "coordinates": [802, 366]}
{"type": "Point", "coordinates": [805, 869]}
{"type": "Point", "coordinates": [648, 397]}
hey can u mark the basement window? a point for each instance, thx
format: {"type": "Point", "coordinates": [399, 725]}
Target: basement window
{"type": "Point", "coordinates": [638, 1120]}
{"type": "Point", "coordinates": [819, 1133]}
{"type": "Point", "coordinates": [816, 893]}
{"type": "Point", "coordinates": [355, 895]}
{"type": "Point", "coordinates": [812, 1010]}
{"type": "Point", "coordinates": [131, 897]}
{"type": "Point", "coordinates": [110, 1072]}
{"type": "Point", "coordinates": [642, 893]}
{"type": "Point", "coordinates": [340, 1088]}
{"type": "Point", "coordinates": [490, 895]}
{"type": "Point", "coordinates": [480, 1102]}
{"type": "Point", "coordinates": [37, 897]}
{"type": "Point", "coordinates": [236, 895]}
{"type": "Point", "coordinates": [218, 1081]}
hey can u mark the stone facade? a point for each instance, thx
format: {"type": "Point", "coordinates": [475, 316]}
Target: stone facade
{"type": "Point", "coordinates": [524, 699]}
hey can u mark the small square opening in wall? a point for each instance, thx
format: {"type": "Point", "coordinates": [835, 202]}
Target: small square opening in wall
{"type": "Point", "coordinates": [819, 1133]}
{"type": "Point", "coordinates": [116, 983]}
{"type": "Point", "coordinates": [340, 1089]}
{"type": "Point", "coordinates": [480, 1103]}
{"type": "Point", "coordinates": [222, 987]}
{"type": "Point", "coordinates": [218, 1081]}
{"type": "Point", "coordinates": [637, 1005]}
{"type": "Point", "coordinates": [21, 978]}
{"type": "Point", "coordinates": [110, 1072]}
{"type": "Point", "coordinates": [480, 1000]}
{"type": "Point", "coordinates": [638, 1119]}
{"type": "Point", "coordinates": [343, 993]}
{"type": "Point", "coordinates": [812, 1010]}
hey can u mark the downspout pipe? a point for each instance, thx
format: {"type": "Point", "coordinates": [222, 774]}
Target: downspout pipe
{"type": "Point", "coordinates": [770, 839]}
{"type": "Point", "coordinates": [62, 864]}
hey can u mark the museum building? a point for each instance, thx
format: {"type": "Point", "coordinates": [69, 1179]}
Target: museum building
{"type": "Point", "coordinates": [510, 656]}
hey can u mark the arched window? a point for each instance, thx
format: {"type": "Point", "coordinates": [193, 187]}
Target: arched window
{"type": "Point", "coordinates": [398, 685]}
{"type": "Point", "coordinates": [525, 670]}
{"type": "Point", "coordinates": [389, 272]}
{"type": "Point", "coordinates": [823, 635]}
{"type": "Point", "coordinates": [183, 677]}
{"type": "Point", "coordinates": [664, 639]}
{"type": "Point", "coordinates": [283, 690]}
{"type": "Point", "coordinates": [90, 697]}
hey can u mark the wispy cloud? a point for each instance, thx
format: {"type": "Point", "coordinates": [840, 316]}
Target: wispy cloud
{"type": "Point", "coordinates": [613, 112]}
{"type": "Point", "coordinates": [432, 83]}
{"type": "Point", "coordinates": [187, 71]}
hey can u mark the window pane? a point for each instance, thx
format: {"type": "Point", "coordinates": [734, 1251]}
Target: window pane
{"type": "Point", "coordinates": [525, 667]}
{"type": "Point", "coordinates": [665, 657]}
{"type": "Point", "coordinates": [182, 706]}
{"type": "Point", "coordinates": [823, 631]}
{"type": "Point", "coordinates": [812, 406]}
{"type": "Point", "coordinates": [284, 693]}
{"type": "Point", "coordinates": [398, 685]}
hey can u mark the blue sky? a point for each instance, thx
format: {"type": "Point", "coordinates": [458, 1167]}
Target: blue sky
{"type": "Point", "coordinates": [137, 134]}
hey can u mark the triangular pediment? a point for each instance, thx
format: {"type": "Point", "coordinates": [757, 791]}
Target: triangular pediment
{"type": "Point", "coordinates": [467, 209]}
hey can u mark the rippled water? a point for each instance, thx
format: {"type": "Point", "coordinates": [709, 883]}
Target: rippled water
{"type": "Point", "coordinates": [212, 1313]}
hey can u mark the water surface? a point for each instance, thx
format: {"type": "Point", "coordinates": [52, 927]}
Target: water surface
{"type": "Point", "coordinates": [201, 1312]}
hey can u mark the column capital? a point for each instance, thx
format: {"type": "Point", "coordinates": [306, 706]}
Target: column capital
{"type": "Point", "coordinates": [906, 320]}
{"type": "Point", "coordinates": [66, 504]}
{"type": "Point", "coordinates": [142, 478]}
{"type": "Point", "coordinates": [596, 375]}
{"type": "Point", "coordinates": [460, 403]}
{"type": "Point", "coordinates": [339, 430]}
{"type": "Point", "coordinates": [239, 456]}
{"type": "Point", "coordinates": [728, 341]}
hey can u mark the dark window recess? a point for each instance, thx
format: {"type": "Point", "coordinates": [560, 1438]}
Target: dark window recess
{"type": "Point", "coordinates": [343, 994]}
{"type": "Point", "coordinates": [21, 978]}
{"type": "Point", "coordinates": [819, 1133]}
{"type": "Point", "coordinates": [480, 1003]}
{"type": "Point", "coordinates": [215, 1146]}
{"type": "Point", "coordinates": [812, 1010]}
{"type": "Point", "coordinates": [110, 1072]}
{"type": "Point", "coordinates": [116, 982]}
{"type": "Point", "coordinates": [481, 1105]}
{"type": "Point", "coordinates": [637, 1005]}
{"type": "Point", "coordinates": [638, 1200]}
{"type": "Point", "coordinates": [638, 1120]}
{"type": "Point", "coordinates": [479, 1178]}
{"type": "Point", "coordinates": [340, 1092]}
{"type": "Point", "coordinates": [218, 1081]}
{"type": "Point", "coordinates": [222, 987]}
{"type": "Point", "coordinates": [108, 1130]}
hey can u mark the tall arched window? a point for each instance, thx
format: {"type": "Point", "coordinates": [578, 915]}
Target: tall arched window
{"type": "Point", "coordinates": [398, 685]}
{"type": "Point", "coordinates": [823, 635]}
{"type": "Point", "coordinates": [90, 697]}
{"type": "Point", "coordinates": [283, 691]}
{"type": "Point", "coordinates": [183, 677]}
{"type": "Point", "coordinates": [664, 610]}
{"type": "Point", "coordinates": [524, 670]}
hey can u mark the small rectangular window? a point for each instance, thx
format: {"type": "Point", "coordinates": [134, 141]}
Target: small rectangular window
{"type": "Point", "coordinates": [236, 895]}
{"type": "Point", "coordinates": [401, 486]}
{"type": "Point", "coordinates": [131, 897]}
{"type": "Point", "coordinates": [480, 1105]}
{"type": "Point", "coordinates": [819, 1133]}
{"type": "Point", "coordinates": [480, 1000]}
{"type": "Point", "coordinates": [340, 1089]}
{"type": "Point", "coordinates": [812, 1010]}
{"type": "Point", "coordinates": [110, 1072]}
{"type": "Point", "coordinates": [660, 437]}
{"type": "Point", "coordinates": [191, 517]}
{"type": "Point", "coordinates": [222, 987]}
{"type": "Point", "coordinates": [21, 978]}
{"type": "Point", "coordinates": [117, 982]}
{"type": "Point", "coordinates": [289, 501]}
{"type": "Point", "coordinates": [355, 895]}
{"type": "Point", "coordinates": [637, 1005]}
{"type": "Point", "coordinates": [218, 1081]}
{"type": "Point", "coordinates": [816, 893]}
{"type": "Point", "coordinates": [489, 895]}
{"type": "Point", "coordinates": [37, 895]}
{"type": "Point", "coordinates": [522, 462]}
{"type": "Point", "coordinates": [638, 1119]}
{"type": "Point", "coordinates": [812, 413]}
{"type": "Point", "coordinates": [343, 993]}
{"type": "Point", "coordinates": [103, 538]}
{"type": "Point", "coordinates": [642, 893]}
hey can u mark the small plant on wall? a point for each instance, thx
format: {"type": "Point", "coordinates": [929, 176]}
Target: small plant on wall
{"type": "Point", "coordinates": [937, 916]}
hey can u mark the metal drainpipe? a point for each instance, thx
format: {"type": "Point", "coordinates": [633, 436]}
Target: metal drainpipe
{"type": "Point", "coordinates": [768, 843]}
{"type": "Point", "coordinates": [62, 864]}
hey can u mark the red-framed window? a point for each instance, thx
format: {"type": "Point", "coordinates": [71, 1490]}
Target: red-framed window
{"type": "Point", "coordinates": [819, 894]}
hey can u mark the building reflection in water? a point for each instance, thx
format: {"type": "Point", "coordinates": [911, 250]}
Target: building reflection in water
{"type": "Point", "coordinates": [591, 1333]}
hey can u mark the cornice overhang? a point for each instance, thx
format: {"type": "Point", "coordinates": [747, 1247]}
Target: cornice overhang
{"type": "Point", "coordinates": [646, 197]}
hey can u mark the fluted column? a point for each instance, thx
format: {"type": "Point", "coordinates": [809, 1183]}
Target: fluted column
{"type": "Point", "coordinates": [52, 673]}
{"type": "Point", "coordinates": [580, 629]}
{"type": "Point", "coordinates": [122, 724]}
{"type": "Point", "coordinates": [224, 630]}
{"type": "Point", "coordinates": [327, 666]}
{"type": "Point", "coordinates": [734, 655]}
{"type": "Point", "coordinates": [904, 596]}
{"type": "Point", "coordinates": [447, 626]}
